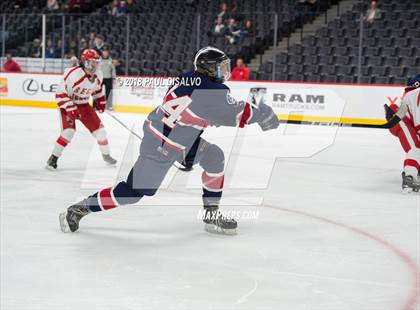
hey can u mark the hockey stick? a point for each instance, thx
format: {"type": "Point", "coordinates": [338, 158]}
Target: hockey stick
{"type": "Point", "coordinates": [389, 124]}
{"type": "Point", "coordinates": [124, 125]}
{"type": "Point", "coordinates": [258, 93]}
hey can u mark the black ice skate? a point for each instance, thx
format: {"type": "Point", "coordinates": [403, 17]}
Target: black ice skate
{"type": "Point", "coordinates": [52, 163]}
{"type": "Point", "coordinates": [409, 184]}
{"type": "Point", "coordinates": [215, 222]}
{"type": "Point", "coordinates": [109, 160]}
{"type": "Point", "coordinates": [69, 220]}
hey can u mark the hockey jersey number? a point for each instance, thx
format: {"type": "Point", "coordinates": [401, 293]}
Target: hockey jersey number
{"type": "Point", "coordinates": [173, 109]}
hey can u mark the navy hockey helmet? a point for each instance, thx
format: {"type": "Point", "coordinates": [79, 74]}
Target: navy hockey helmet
{"type": "Point", "coordinates": [212, 62]}
{"type": "Point", "coordinates": [414, 82]}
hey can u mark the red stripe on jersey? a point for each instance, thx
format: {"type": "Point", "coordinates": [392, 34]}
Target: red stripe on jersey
{"type": "Point", "coordinates": [106, 199]}
{"type": "Point", "coordinates": [164, 140]}
{"type": "Point", "coordinates": [70, 72]}
{"type": "Point", "coordinates": [168, 97]}
{"type": "Point", "coordinates": [404, 142]}
{"type": "Point", "coordinates": [212, 182]}
{"type": "Point", "coordinates": [80, 80]}
{"type": "Point", "coordinates": [61, 95]}
{"type": "Point", "coordinates": [246, 115]}
{"type": "Point", "coordinates": [412, 163]}
{"type": "Point", "coordinates": [189, 118]}
{"type": "Point", "coordinates": [410, 116]}
{"type": "Point", "coordinates": [62, 141]}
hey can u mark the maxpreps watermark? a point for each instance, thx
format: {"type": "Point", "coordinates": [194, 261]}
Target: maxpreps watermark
{"type": "Point", "coordinates": [250, 215]}
{"type": "Point", "coordinates": [158, 81]}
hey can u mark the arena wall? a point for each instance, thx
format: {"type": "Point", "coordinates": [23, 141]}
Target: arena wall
{"type": "Point", "coordinates": [347, 103]}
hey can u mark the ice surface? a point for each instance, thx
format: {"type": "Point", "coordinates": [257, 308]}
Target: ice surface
{"type": "Point", "coordinates": [333, 229]}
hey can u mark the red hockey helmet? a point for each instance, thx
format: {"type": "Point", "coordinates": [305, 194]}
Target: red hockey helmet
{"type": "Point", "coordinates": [89, 60]}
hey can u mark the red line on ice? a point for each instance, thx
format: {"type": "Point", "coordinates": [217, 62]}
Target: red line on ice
{"type": "Point", "coordinates": [410, 263]}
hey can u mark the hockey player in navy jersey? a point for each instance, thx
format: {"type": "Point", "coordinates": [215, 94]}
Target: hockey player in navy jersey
{"type": "Point", "coordinates": [172, 131]}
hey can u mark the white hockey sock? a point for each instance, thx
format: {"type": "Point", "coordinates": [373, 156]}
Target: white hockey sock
{"type": "Point", "coordinates": [412, 162]}
{"type": "Point", "coordinates": [63, 140]}
{"type": "Point", "coordinates": [410, 170]}
{"type": "Point", "coordinates": [101, 138]}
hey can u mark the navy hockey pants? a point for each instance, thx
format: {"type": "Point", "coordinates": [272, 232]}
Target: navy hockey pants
{"type": "Point", "coordinates": [151, 168]}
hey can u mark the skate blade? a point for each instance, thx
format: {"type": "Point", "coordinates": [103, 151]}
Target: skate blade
{"type": "Point", "coordinates": [63, 222]}
{"type": "Point", "coordinates": [50, 168]}
{"type": "Point", "coordinates": [110, 164]}
{"type": "Point", "coordinates": [409, 190]}
{"type": "Point", "coordinates": [213, 229]}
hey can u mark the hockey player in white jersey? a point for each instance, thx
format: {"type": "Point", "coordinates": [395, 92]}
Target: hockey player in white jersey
{"type": "Point", "coordinates": [408, 132]}
{"type": "Point", "coordinates": [72, 97]}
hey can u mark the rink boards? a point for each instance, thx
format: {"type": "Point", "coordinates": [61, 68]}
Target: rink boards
{"type": "Point", "coordinates": [313, 102]}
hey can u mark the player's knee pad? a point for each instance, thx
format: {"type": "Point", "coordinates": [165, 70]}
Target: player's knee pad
{"type": "Point", "coordinates": [68, 134]}
{"type": "Point", "coordinates": [212, 159]}
{"type": "Point", "coordinates": [100, 135]}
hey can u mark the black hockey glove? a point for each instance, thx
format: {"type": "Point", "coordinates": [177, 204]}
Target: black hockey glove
{"type": "Point", "coordinates": [389, 113]}
{"type": "Point", "coordinates": [266, 117]}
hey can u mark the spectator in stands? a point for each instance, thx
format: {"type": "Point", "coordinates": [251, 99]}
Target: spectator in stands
{"type": "Point", "coordinates": [10, 65]}
{"type": "Point", "coordinates": [58, 48]}
{"type": "Point", "coordinates": [219, 29]}
{"type": "Point", "coordinates": [82, 45]}
{"type": "Point", "coordinates": [108, 72]}
{"type": "Point", "coordinates": [92, 36]}
{"type": "Point", "coordinates": [223, 11]}
{"type": "Point", "coordinates": [248, 31]}
{"type": "Point", "coordinates": [50, 50]}
{"type": "Point", "coordinates": [52, 5]}
{"type": "Point", "coordinates": [72, 49]}
{"type": "Point", "coordinates": [74, 61]}
{"type": "Point", "coordinates": [240, 72]}
{"type": "Point", "coordinates": [99, 44]}
{"type": "Point", "coordinates": [235, 14]}
{"type": "Point", "coordinates": [132, 7]}
{"type": "Point", "coordinates": [117, 8]}
{"type": "Point", "coordinates": [373, 13]}
{"type": "Point", "coordinates": [233, 31]}
{"type": "Point", "coordinates": [35, 49]}
{"type": "Point", "coordinates": [75, 6]}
